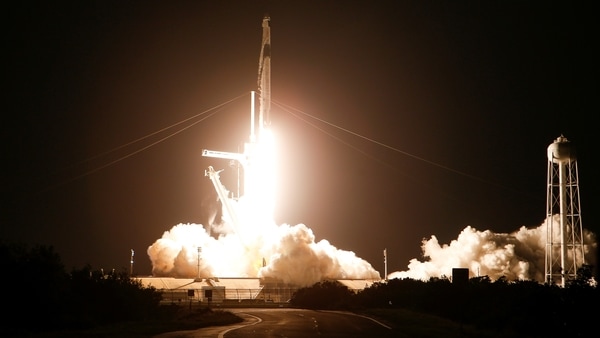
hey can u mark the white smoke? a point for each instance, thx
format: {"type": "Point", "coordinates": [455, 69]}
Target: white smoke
{"type": "Point", "coordinates": [519, 255]}
{"type": "Point", "coordinates": [246, 242]}
{"type": "Point", "coordinates": [260, 248]}
{"type": "Point", "coordinates": [256, 247]}
{"type": "Point", "coordinates": [298, 259]}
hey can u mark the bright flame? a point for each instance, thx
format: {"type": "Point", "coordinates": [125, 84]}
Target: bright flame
{"type": "Point", "coordinates": [255, 246]}
{"type": "Point", "coordinates": [261, 175]}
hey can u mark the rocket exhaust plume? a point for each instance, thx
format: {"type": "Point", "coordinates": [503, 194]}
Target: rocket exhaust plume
{"type": "Point", "coordinates": [259, 248]}
{"type": "Point", "coordinates": [246, 242]}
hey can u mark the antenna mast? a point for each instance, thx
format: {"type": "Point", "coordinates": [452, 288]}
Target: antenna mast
{"type": "Point", "coordinates": [385, 264]}
{"type": "Point", "coordinates": [131, 263]}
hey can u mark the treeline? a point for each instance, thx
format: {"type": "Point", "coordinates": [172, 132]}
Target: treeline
{"type": "Point", "coordinates": [38, 294]}
{"type": "Point", "coordinates": [519, 308]}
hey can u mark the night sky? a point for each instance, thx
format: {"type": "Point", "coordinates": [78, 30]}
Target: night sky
{"type": "Point", "coordinates": [429, 116]}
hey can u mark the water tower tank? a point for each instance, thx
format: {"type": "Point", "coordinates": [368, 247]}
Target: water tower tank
{"type": "Point", "coordinates": [564, 232]}
{"type": "Point", "coordinates": [561, 151]}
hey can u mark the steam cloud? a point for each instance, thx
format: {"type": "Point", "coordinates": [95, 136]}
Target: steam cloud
{"type": "Point", "coordinates": [257, 248]}
{"type": "Point", "coordinates": [261, 248]}
{"type": "Point", "coordinates": [517, 256]}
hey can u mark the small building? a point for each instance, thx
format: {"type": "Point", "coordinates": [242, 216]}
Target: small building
{"type": "Point", "coordinates": [460, 276]}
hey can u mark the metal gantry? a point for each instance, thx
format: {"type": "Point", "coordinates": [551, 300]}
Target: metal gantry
{"type": "Point", "coordinates": [564, 231]}
{"type": "Point", "coordinates": [245, 160]}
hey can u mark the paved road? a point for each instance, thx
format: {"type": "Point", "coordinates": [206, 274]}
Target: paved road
{"type": "Point", "coordinates": [292, 323]}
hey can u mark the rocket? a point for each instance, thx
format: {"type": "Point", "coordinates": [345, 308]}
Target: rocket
{"type": "Point", "coordinates": [264, 75]}
{"type": "Point", "coordinates": [245, 159]}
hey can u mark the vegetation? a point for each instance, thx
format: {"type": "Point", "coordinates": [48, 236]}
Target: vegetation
{"type": "Point", "coordinates": [324, 295]}
{"type": "Point", "coordinates": [515, 309]}
{"type": "Point", "coordinates": [42, 300]}
{"type": "Point", "coordinates": [172, 318]}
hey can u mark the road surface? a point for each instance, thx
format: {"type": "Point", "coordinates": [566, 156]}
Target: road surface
{"type": "Point", "coordinates": [292, 323]}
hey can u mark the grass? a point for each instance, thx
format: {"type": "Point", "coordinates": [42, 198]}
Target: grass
{"type": "Point", "coordinates": [420, 325]}
{"type": "Point", "coordinates": [172, 319]}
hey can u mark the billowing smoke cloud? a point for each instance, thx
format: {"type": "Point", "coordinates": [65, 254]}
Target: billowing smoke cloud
{"type": "Point", "coordinates": [255, 247]}
{"type": "Point", "coordinates": [517, 256]}
{"type": "Point", "coordinates": [298, 259]}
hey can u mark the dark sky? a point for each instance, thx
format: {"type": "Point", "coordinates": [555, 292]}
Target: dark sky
{"type": "Point", "coordinates": [442, 111]}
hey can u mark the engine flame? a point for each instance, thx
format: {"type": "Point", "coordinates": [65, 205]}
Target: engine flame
{"type": "Point", "coordinates": [255, 246]}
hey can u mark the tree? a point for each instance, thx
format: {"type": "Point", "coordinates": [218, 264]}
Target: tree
{"type": "Point", "coordinates": [41, 296]}
{"type": "Point", "coordinates": [323, 295]}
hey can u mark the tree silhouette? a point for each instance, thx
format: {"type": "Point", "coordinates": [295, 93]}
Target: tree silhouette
{"type": "Point", "coordinates": [41, 296]}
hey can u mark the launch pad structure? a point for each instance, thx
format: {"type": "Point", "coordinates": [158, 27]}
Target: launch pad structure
{"type": "Point", "coordinates": [245, 159]}
{"type": "Point", "coordinates": [249, 290]}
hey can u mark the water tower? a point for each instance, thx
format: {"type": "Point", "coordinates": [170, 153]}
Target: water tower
{"type": "Point", "coordinates": [564, 233]}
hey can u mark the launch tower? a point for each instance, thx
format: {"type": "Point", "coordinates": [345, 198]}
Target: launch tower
{"type": "Point", "coordinates": [564, 232]}
{"type": "Point", "coordinates": [250, 157]}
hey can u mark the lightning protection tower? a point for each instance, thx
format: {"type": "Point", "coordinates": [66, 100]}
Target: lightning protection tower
{"type": "Point", "coordinates": [564, 232]}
